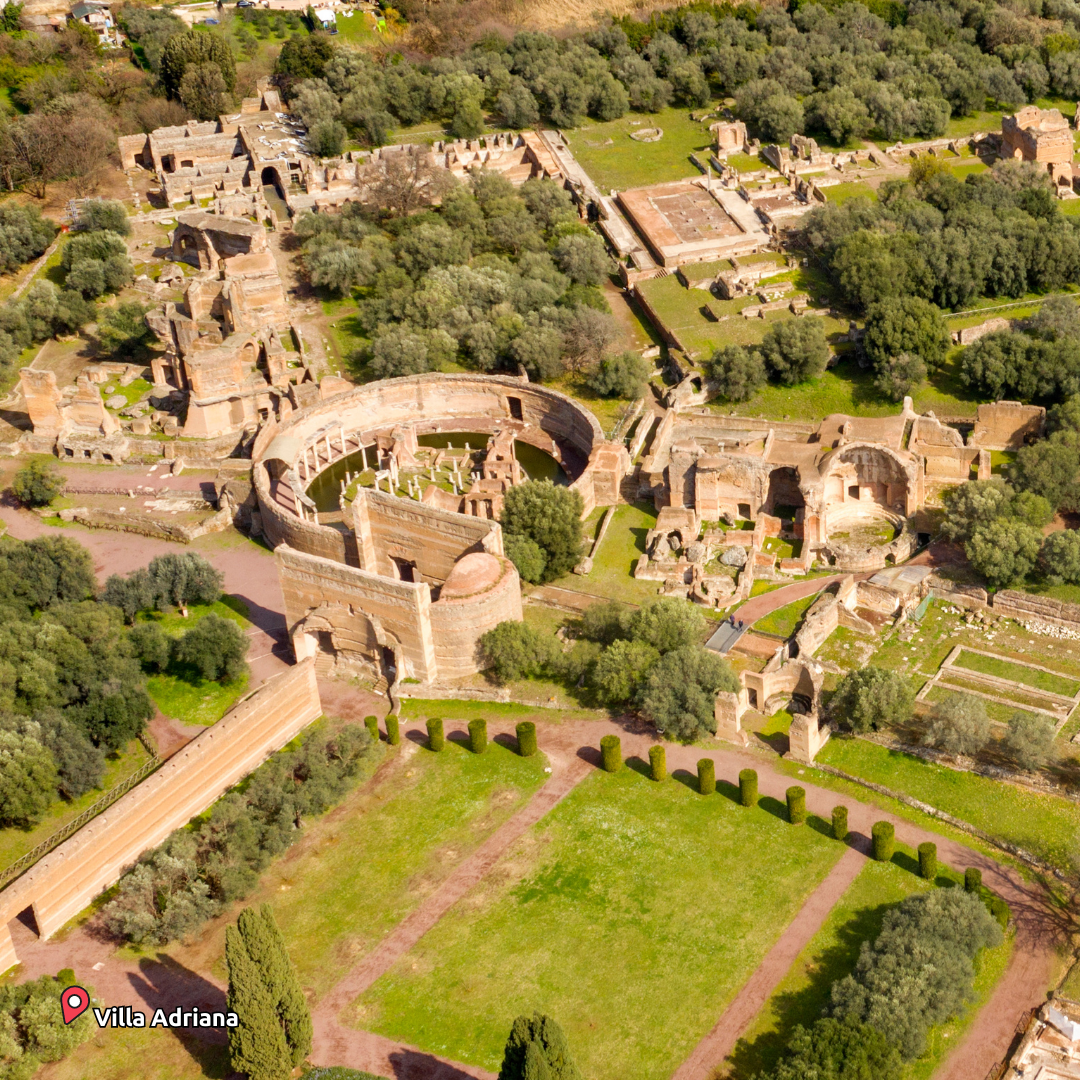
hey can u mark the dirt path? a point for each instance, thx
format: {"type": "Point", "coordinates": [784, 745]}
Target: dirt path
{"type": "Point", "coordinates": [758, 607]}
{"type": "Point", "coordinates": [757, 990]}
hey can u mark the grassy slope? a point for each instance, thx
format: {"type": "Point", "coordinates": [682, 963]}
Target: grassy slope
{"type": "Point", "coordinates": [365, 866]}
{"type": "Point", "coordinates": [1043, 824]}
{"type": "Point", "coordinates": [140, 1054]}
{"type": "Point", "coordinates": [677, 895]}
{"type": "Point", "coordinates": [784, 620]}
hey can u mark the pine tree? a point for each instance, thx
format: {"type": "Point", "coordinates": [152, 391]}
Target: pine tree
{"type": "Point", "coordinates": [537, 1050]}
{"type": "Point", "coordinates": [257, 1047]}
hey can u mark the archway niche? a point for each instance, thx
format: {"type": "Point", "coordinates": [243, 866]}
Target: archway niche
{"type": "Point", "coordinates": [784, 498]}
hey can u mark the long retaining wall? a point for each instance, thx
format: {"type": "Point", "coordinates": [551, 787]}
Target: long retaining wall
{"type": "Point", "coordinates": [68, 878]}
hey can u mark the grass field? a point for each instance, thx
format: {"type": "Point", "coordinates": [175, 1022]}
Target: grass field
{"type": "Point", "coordinates": [633, 913]}
{"type": "Point", "coordinates": [840, 193]}
{"type": "Point", "coordinates": [179, 691]}
{"type": "Point", "coordinates": [832, 953]}
{"type": "Point", "coordinates": [146, 1053]}
{"type": "Point", "coordinates": [368, 863]}
{"type": "Point", "coordinates": [614, 160]}
{"type": "Point", "coordinates": [14, 842]}
{"type": "Point", "coordinates": [1044, 825]}
{"type": "Point", "coordinates": [1004, 669]}
{"type": "Point", "coordinates": [783, 620]}
{"type": "Point", "coordinates": [612, 574]}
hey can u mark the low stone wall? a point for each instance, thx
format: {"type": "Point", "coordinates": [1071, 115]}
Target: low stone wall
{"type": "Point", "coordinates": [67, 879]}
{"type": "Point", "coordinates": [1021, 605]}
{"type": "Point", "coordinates": [159, 530]}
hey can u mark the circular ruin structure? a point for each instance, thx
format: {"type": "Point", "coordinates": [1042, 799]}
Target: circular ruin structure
{"type": "Point", "coordinates": [653, 134]}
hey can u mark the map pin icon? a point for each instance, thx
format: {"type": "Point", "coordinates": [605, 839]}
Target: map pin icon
{"type": "Point", "coordinates": [74, 1002]}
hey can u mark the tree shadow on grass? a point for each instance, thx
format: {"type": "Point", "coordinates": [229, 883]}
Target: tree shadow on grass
{"type": "Point", "coordinates": [639, 765]}
{"type": "Point", "coordinates": [505, 740]}
{"type": "Point", "coordinates": [729, 791]}
{"type": "Point", "coordinates": [773, 806]}
{"type": "Point", "coordinates": [819, 825]}
{"type": "Point", "coordinates": [686, 778]}
{"type": "Point", "coordinates": [807, 1004]}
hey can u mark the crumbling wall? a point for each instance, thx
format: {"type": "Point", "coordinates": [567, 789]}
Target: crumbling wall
{"type": "Point", "coordinates": [1007, 425]}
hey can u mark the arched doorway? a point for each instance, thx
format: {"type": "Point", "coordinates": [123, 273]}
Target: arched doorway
{"type": "Point", "coordinates": [785, 499]}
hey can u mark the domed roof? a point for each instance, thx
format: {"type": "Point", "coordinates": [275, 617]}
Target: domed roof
{"type": "Point", "coordinates": [472, 573]}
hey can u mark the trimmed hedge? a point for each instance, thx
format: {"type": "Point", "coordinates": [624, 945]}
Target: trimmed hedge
{"type": "Point", "coordinates": [972, 880]}
{"type": "Point", "coordinates": [657, 762]}
{"type": "Point", "coordinates": [372, 724]}
{"type": "Point", "coordinates": [748, 791]}
{"type": "Point", "coordinates": [478, 736]}
{"type": "Point", "coordinates": [883, 836]}
{"type": "Point", "coordinates": [796, 805]}
{"type": "Point", "coordinates": [526, 738]}
{"type": "Point", "coordinates": [1000, 910]}
{"type": "Point", "coordinates": [436, 740]}
{"type": "Point", "coordinates": [393, 729]}
{"type": "Point", "coordinates": [611, 753]}
{"type": "Point", "coordinates": [928, 861]}
{"type": "Point", "coordinates": [839, 823]}
{"type": "Point", "coordinates": [706, 776]}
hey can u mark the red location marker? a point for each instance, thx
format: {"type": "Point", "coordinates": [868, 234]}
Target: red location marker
{"type": "Point", "coordinates": [74, 1002]}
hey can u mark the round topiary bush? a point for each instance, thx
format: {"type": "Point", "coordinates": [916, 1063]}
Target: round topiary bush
{"type": "Point", "coordinates": [1000, 910]}
{"type": "Point", "coordinates": [884, 839]}
{"type": "Point", "coordinates": [706, 776]}
{"type": "Point", "coordinates": [435, 738]}
{"type": "Point", "coordinates": [372, 724]}
{"type": "Point", "coordinates": [796, 805]}
{"type": "Point", "coordinates": [928, 861]}
{"type": "Point", "coordinates": [393, 729]}
{"type": "Point", "coordinates": [972, 880]}
{"type": "Point", "coordinates": [526, 738]}
{"type": "Point", "coordinates": [611, 753]}
{"type": "Point", "coordinates": [748, 792]}
{"type": "Point", "coordinates": [839, 823]}
{"type": "Point", "coordinates": [657, 762]}
{"type": "Point", "coordinates": [478, 736]}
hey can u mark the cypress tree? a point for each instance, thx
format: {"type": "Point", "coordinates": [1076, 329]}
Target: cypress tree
{"type": "Point", "coordinates": [393, 729]}
{"type": "Point", "coordinates": [526, 737]}
{"type": "Point", "coordinates": [706, 776]}
{"type": "Point", "coordinates": [972, 880]}
{"type": "Point", "coordinates": [883, 836]}
{"type": "Point", "coordinates": [257, 1046]}
{"type": "Point", "coordinates": [611, 753]}
{"type": "Point", "coordinates": [657, 762]}
{"type": "Point", "coordinates": [292, 1005]}
{"type": "Point", "coordinates": [478, 736]}
{"type": "Point", "coordinates": [435, 737]}
{"type": "Point", "coordinates": [533, 1038]}
{"type": "Point", "coordinates": [748, 790]}
{"type": "Point", "coordinates": [928, 861]}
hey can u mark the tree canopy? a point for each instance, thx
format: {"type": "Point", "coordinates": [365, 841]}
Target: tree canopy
{"type": "Point", "coordinates": [550, 516]}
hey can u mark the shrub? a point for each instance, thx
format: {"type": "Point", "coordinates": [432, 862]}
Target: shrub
{"type": "Point", "coordinates": [679, 692]}
{"type": "Point", "coordinates": [1030, 740]}
{"type": "Point", "coordinates": [796, 805]}
{"type": "Point", "coordinates": [883, 836]}
{"type": "Point", "coordinates": [393, 729]}
{"type": "Point", "coordinates": [928, 861]}
{"type": "Point", "coordinates": [657, 762]}
{"type": "Point", "coordinates": [748, 788]}
{"type": "Point", "coordinates": [151, 645]}
{"type": "Point", "coordinates": [526, 738]}
{"type": "Point", "coordinates": [108, 215]}
{"type": "Point", "coordinates": [706, 776]}
{"type": "Point", "coordinates": [550, 516]}
{"type": "Point", "coordinates": [37, 484]}
{"type": "Point", "coordinates": [514, 650]}
{"type": "Point", "coordinates": [839, 823]}
{"type": "Point", "coordinates": [611, 753]}
{"type": "Point", "coordinates": [972, 880]}
{"type": "Point", "coordinates": [870, 698]}
{"type": "Point", "coordinates": [959, 725]}
{"type": "Point", "coordinates": [435, 738]}
{"type": "Point", "coordinates": [478, 736]}
{"type": "Point", "coordinates": [372, 725]}
{"type": "Point", "coordinates": [624, 375]}
{"type": "Point", "coordinates": [216, 647]}
{"type": "Point", "coordinates": [1000, 910]}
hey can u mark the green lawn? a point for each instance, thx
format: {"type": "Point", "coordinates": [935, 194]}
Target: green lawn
{"type": "Point", "coordinates": [179, 691]}
{"type": "Point", "coordinates": [633, 913]}
{"type": "Point", "coordinates": [613, 566]}
{"type": "Point", "coordinates": [1044, 825]}
{"type": "Point", "coordinates": [386, 848]}
{"type": "Point", "coordinates": [14, 842]}
{"type": "Point", "coordinates": [832, 953]}
{"type": "Point", "coordinates": [783, 621]}
{"type": "Point", "coordinates": [614, 160]}
{"type": "Point", "coordinates": [1005, 669]}
{"type": "Point", "coordinates": [840, 193]}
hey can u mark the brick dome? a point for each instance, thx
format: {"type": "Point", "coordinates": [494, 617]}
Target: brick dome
{"type": "Point", "coordinates": [471, 574]}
